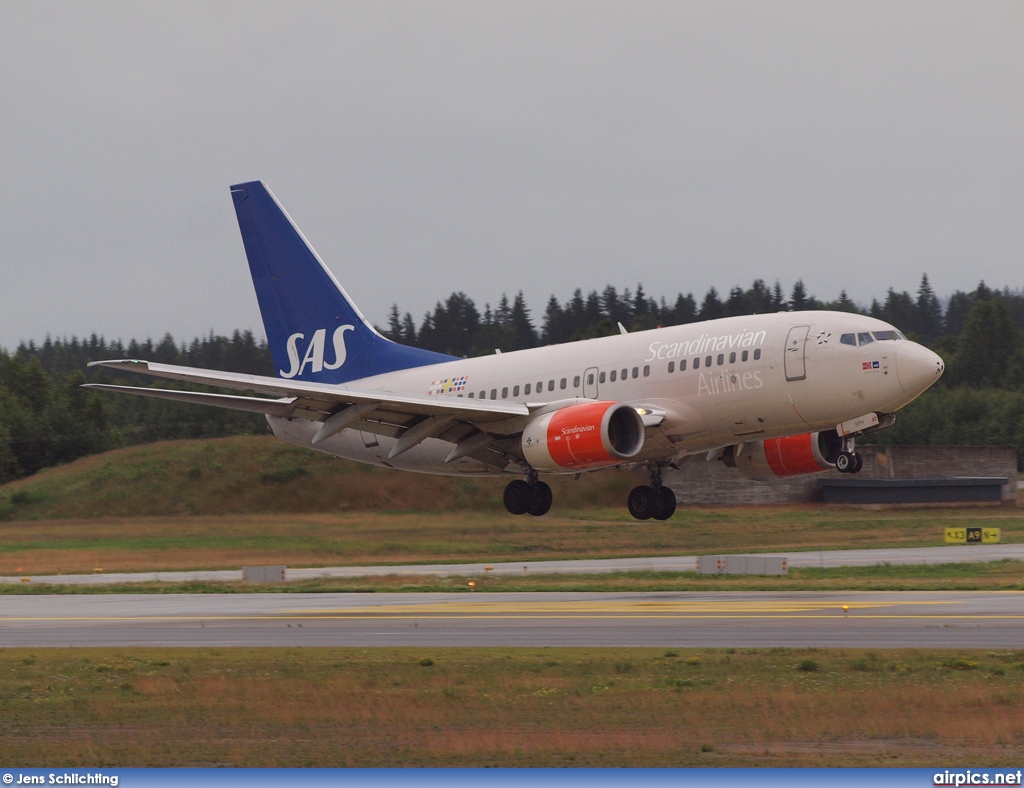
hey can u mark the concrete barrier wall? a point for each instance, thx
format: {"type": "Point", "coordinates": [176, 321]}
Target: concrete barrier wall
{"type": "Point", "coordinates": [698, 482]}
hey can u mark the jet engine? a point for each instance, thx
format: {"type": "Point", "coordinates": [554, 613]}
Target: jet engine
{"type": "Point", "coordinates": [794, 455]}
{"type": "Point", "coordinates": [583, 437]}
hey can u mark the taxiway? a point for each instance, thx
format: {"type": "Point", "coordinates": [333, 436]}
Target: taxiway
{"type": "Point", "coordinates": [679, 563]}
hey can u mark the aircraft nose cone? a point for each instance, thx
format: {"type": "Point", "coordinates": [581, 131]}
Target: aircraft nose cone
{"type": "Point", "coordinates": [917, 367]}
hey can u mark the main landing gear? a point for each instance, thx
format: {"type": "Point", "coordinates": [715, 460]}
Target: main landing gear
{"type": "Point", "coordinates": [528, 497]}
{"type": "Point", "coordinates": [532, 496]}
{"type": "Point", "coordinates": [848, 460]}
{"type": "Point", "coordinates": [655, 501]}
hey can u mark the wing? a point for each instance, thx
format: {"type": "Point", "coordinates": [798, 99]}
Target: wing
{"type": "Point", "coordinates": [469, 423]}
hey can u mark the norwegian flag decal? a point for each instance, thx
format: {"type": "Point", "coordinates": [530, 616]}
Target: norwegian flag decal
{"type": "Point", "coordinates": [448, 385]}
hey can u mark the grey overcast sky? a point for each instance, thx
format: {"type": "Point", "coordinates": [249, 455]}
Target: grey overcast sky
{"type": "Point", "coordinates": [425, 147]}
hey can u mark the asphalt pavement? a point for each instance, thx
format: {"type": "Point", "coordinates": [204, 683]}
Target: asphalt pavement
{"type": "Point", "coordinates": [664, 619]}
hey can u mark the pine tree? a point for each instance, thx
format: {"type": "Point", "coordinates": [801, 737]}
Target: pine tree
{"type": "Point", "coordinates": [901, 311]}
{"type": "Point", "coordinates": [394, 324]}
{"type": "Point", "coordinates": [988, 342]}
{"type": "Point", "coordinates": [503, 314]}
{"type": "Point", "coordinates": [798, 298]}
{"type": "Point", "coordinates": [759, 298]}
{"type": "Point", "coordinates": [640, 304]}
{"type": "Point", "coordinates": [523, 334]}
{"type": "Point", "coordinates": [685, 310]}
{"type": "Point", "coordinates": [929, 312]}
{"type": "Point", "coordinates": [712, 308]}
{"type": "Point", "coordinates": [843, 304]}
{"type": "Point", "coordinates": [408, 333]}
{"type": "Point", "coordinates": [553, 329]}
{"type": "Point", "coordinates": [614, 307]}
{"type": "Point", "coordinates": [737, 303]}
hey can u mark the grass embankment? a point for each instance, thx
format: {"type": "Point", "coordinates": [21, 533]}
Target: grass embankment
{"type": "Point", "coordinates": [260, 475]}
{"type": "Point", "coordinates": [510, 707]}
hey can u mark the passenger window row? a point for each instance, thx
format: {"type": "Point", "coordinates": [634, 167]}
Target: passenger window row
{"type": "Point", "coordinates": [615, 375]}
{"type": "Point", "coordinates": [563, 384]}
{"type": "Point", "coordinates": [626, 373]}
{"type": "Point", "coordinates": [712, 360]}
{"type": "Point", "coordinates": [526, 389]}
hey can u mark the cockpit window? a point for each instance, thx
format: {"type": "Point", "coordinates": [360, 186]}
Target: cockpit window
{"type": "Point", "coordinates": [864, 338]}
{"type": "Point", "coordinates": [882, 335]}
{"type": "Point", "coordinates": [848, 339]}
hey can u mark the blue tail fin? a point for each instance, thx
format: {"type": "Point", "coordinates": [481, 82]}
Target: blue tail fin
{"type": "Point", "coordinates": [315, 331]}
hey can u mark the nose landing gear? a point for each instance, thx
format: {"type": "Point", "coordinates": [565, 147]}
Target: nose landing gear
{"type": "Point", "coordinates": [848, 460]}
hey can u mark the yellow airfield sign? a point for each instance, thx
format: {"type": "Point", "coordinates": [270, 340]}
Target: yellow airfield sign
{"type": "Point", "coordinates": [972, 535]}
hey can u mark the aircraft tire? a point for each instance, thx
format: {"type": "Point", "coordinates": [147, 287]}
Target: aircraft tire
{"type": "Point", "coordinates": [844, 462]}
{"type": "Point", "coordinates": [642, 502]}
{"type": "Point", "coordinates": [858, 463]}
{"type": "Point", "coordinates": [666, 504]}
{"type": "Point", "coordinates": [542, 499]}
{"type": "Point", "coordinates": [518, 497]}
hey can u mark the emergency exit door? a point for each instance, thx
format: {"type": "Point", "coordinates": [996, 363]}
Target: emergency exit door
{"type": "Point", "coordinates": [793, 361]}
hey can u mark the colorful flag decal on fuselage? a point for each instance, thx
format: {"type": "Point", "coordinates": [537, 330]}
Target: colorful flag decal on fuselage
{"type": "Point", "coordinates": [448, 385]}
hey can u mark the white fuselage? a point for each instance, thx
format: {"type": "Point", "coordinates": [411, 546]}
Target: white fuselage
{"type": "Point", "coordinates": [714, 384]}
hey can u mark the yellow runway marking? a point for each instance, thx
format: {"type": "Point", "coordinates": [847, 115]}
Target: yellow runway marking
{"type": "Point", "coordinates": [530, 617]}
{"type": "Point", "coordinates": [587, 610]}
{"type": "Point", "coordinates": [619, 608]}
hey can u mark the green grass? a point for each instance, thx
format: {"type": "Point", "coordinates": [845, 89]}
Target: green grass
{"type": "Point", "coordinates": [510, 707]}
{"type": "Point", "coordinates": [72, 546]}
{"type": "Point", "coordinates": [1005, 575]}
{"type": "Point", "coordinates": [41, 547]}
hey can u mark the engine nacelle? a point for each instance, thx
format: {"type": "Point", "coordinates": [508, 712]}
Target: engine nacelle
{"type": "Point", "coordinates": [583, 437]}
{"type": "Point", "coordinates": [794, 455]}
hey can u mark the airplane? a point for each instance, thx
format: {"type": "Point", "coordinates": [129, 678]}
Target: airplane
{"type": "Point", "coordinates": [771, 396]}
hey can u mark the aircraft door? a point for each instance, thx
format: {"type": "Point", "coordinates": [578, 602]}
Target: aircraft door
{"type": "Point", "coordinates": [590, 383]}
{"type": "Point", "coordinates": [794, 360]}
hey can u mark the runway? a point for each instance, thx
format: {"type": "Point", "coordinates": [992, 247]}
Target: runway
{"type": "Point", "coordinates": [794, 619]}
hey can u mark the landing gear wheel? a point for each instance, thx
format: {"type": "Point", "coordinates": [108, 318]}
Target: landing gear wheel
{"type": "Point", "coordinates": [642, 502]}
{"type": "Point", "coordinates": [665, 506]}
{"type": "Point", "coordinates": [518, 497]}
{"type": "Point", "coordinates": [542, 498]}
{"type": "Point", "coordinates": [858, 463]}
{"type": "Point", "coordinates": [845, 462]}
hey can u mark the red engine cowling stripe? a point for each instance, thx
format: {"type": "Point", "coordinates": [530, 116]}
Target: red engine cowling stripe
{"type": "Point", "coordinates": [574, 437]}
{"type": "Point", "coordinates": [792, 455]}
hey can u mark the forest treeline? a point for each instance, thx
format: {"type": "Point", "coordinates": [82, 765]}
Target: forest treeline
{"type": "Point", "coordinates": [46, 418]}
